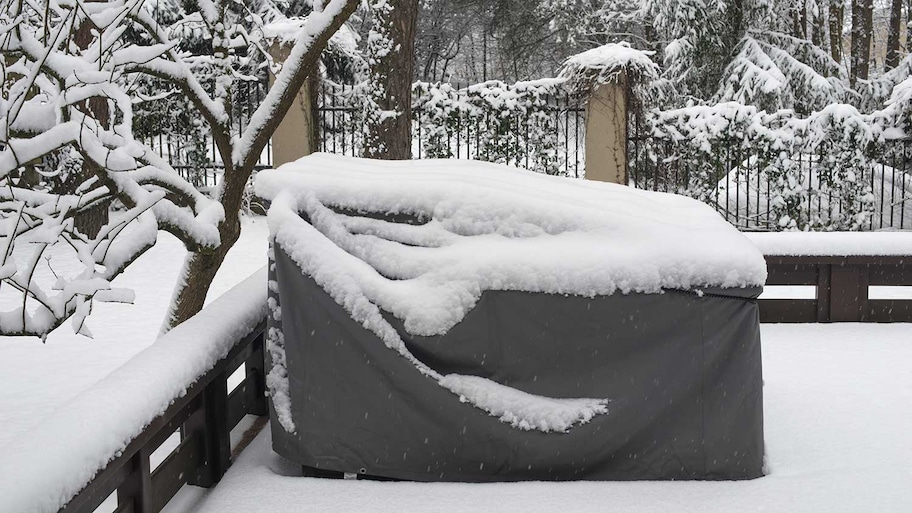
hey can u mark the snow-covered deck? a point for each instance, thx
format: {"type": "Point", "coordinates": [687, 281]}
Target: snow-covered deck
{"type": "Point", "coordinates": [838, 407]}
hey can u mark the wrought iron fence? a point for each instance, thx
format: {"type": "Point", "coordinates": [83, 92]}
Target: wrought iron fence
{"type": "Point", "coordinates": [741, 185]}
{"type": "Point", "coordinates": [546, 137]}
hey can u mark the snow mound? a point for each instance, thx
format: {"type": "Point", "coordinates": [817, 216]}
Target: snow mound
{"type": "Point", "coordinates": [423, 239]}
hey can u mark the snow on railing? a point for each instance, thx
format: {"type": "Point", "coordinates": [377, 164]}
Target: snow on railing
{"type": "Point", "coordinates": [101, 440]}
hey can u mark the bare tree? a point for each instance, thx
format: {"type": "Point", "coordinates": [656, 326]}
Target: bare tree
{"type": "Point", "coordinates": [799, 19]}
{"type": "Point", "coordinates": [908, 26]}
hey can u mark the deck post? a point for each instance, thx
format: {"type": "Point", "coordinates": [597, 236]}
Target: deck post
{"type": "Point", "coordinates": [216, 433]}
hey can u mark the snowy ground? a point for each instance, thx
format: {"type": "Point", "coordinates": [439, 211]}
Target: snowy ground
{"type": "Point", "coordinates": [838, 408]}
{"type": "Point", "coordinates": [37, 378]}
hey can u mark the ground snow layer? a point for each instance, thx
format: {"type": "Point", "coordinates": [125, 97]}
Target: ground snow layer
{"type": "Point", "coordinates": [838, 408]}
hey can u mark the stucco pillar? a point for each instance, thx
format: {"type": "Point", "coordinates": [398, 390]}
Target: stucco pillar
{"type": "Point", "coordinates": [296, 135]}
{"type": "Point", "coordinates": [606, 132]}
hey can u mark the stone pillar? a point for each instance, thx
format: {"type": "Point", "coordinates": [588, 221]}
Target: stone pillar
{"type": "Point", "coordinates": [606, 132]}
{"type": "Point", "coordinates": [296, 135]}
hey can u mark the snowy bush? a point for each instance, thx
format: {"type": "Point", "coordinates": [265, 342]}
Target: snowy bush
{"type": "Point", "coordinates": [509, 123]}
{"type": "Point", "coordinates": [815, 171]}
{"type": "Point", "coordinates": [515, 124]}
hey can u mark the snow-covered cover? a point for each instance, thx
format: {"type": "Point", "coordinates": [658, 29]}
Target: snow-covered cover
{"type": "Point", "coordinates": [481, 226]}
{"type": "Point", "coordinates": [886, 243]}
{"type": "Point", "coordinates": [606, 63]}
{"type": "Point", "coordinates": [43, 471]}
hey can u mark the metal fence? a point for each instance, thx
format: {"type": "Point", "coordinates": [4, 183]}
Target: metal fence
{"type": "Point", "coordinates": [547, 138]}
{"type": "Point", "coordinates": [737, 182]}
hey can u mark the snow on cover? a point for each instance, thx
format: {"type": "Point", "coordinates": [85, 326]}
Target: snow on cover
{"type": "Point", "coordinates": [480, 226]}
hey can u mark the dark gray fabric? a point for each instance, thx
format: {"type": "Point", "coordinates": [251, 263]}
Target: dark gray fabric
{"type": "Point", "coordinates": [682, 372]}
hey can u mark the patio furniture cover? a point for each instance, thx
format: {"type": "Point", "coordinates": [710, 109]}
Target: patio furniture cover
{"type": "Point", "coordinates": [681, 371]}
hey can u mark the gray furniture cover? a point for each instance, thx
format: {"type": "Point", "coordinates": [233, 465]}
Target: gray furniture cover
{"type": "Point", "coordinates": [682, 371]}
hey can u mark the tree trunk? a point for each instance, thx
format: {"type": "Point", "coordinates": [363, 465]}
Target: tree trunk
{"type": "Point", "coordinates": [391, 54]}
{"type": "Point", "coordinates": [862, 19]}
{"type": "Point", "coordinates": [836, 16]}
{"type": "Point", "coordinates": [799, 20]}
{"type": "Point", "coordinates": [91, 221]}
{"type": "Point", "coordinates": [201, 266]}
{"type": "Point", "coordinates": [908, 26]}
{"type": "Point", "coordinates": [818, 34]}
{"type": "Point", "coordinates": [196, 278]}
{"type": "Point", "coordinates": [892, 59]}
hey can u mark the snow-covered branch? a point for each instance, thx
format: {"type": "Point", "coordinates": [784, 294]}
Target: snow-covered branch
{"type": "Point", "coordinates": [315, 31]}
{"type": "Point", "coordinates": [82, 194]}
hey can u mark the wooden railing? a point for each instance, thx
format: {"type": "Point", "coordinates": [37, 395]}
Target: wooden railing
{"type": "Point", "coordinates": [842, 288]}
{"type": "Point", "coordinates": [204, 417]}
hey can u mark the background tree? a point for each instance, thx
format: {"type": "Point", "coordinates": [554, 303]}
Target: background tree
{"type": "Point", "coordinates": [895, 31]}
{"type": "Point", "coordinates": [862, 30]}
{"type": "Point", "coordinates": [836, 20]}
{"type": "Point", "coordinates": [390, 55]}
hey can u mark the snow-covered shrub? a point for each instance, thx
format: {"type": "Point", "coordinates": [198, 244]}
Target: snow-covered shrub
{"type": "Point", "coordinates": [811, 172]}
{"type": "Point", "coordinates": [517, 124]}
{"type": "Point", "coordinates": [507, 123]}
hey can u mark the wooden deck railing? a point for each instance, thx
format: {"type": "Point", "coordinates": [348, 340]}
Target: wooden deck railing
{"type": "Point", "coordinates": [205, 417]}
{"type": "Point", "coordinates": [842, 288]}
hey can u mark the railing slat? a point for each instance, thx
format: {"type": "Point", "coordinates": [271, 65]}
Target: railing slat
{"type": "Point", "coordinates": [106, 483]}
{"type": "Point", "coordinates": [174, 472]}
{"type": "Point", "coordinates": [239, 401]}
{"type": "Point", "coordinates": [136, 491]}
{"type": "Point", "coordinates": [216, 433]}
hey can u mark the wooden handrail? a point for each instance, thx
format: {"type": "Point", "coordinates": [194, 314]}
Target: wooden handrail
{"type": "Point", "coordinates": [204, 416]}
{"type": "Point", "coordinates": [842, 288]}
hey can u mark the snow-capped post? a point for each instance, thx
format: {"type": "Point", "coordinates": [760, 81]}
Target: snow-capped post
{"type": "Point", "coordinates": [296, 135]}
{"type": "Point", "coordinates": [605, 76]}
